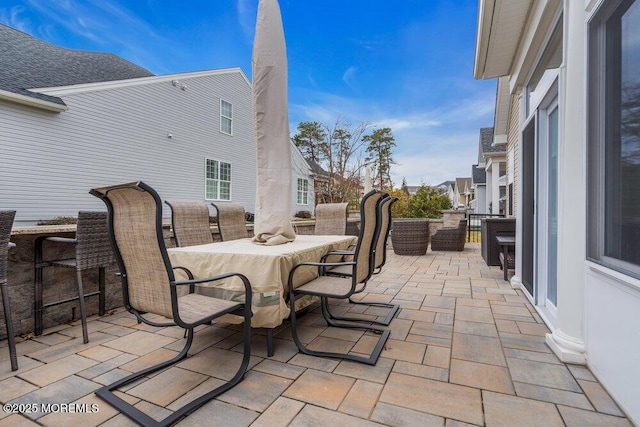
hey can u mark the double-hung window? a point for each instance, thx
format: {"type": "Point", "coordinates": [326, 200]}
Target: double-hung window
{"type": "Point", "coordinates": [303, 191]}
{"type": "Point", "coordinates": [614, 137]}
{"type": "Point", "coordinates": [226, 117]}
{"type": "Point", "coordinates": [217, 180]}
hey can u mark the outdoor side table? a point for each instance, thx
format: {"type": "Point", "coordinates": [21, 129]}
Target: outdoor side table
{"type": "Point", "coordinates": [506, 256]}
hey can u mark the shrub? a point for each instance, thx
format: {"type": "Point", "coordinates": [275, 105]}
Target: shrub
{"type": "Point", "coordinates": [427, 203]}
{"type": "Point", "coordinates": [303, 214]}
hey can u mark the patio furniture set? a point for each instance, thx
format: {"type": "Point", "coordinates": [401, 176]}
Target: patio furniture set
{"type": "Point", "coordinates": [410, 236]}
{"type": "Point", "coordinates": [201, 280]}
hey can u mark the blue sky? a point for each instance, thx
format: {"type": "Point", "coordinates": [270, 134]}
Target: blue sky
{"type": "Point", "coordinates": [406, 65]}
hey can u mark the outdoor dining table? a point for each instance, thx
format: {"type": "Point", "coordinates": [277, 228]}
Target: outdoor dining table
{"type": "Point", "coordinates": [266, 267]}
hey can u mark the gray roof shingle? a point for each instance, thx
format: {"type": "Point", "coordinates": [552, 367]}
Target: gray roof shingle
{"type": "Point", "coordinates": [486, 140]}
{"type": "Point", "coordinates": [27, 62]}
{"type": "Point", "coordinates": [478, 175]}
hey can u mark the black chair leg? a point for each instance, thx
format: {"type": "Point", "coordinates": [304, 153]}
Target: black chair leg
{"type": "Point", "coordinates": [269, 342]}
{"type": "Point", "coordinates": [7, 317]}
{"type": "Point", "coordinates": [83, 310]}
{"type": "Point", "coordinates": [106, 392]}
{"type": "Point", "coordinates": [371, 360]}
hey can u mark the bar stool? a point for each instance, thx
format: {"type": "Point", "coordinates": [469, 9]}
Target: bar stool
{"type": "Point", "coordinates": [93, 250]}
{"type": "Point", "coordinates": [6, 221]}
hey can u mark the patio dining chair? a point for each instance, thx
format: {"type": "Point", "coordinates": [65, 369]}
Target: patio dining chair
{"type": "Point", "coordinates": [190, 223]}
{"type": "Point", "coordinates": [92, 250]}
{"type": "Point", "coordinates": [6, 221]}
{"type": "Point", "coordinates": [149, 286]}
{"type": "Point", "coordinates": [331, 219]}
{"type": "Point", "coordinates": [231, 220]}
{"type": "Point", "coordinates": [380, 257]}
{"type": "Point", "coordinates": [341, 287]}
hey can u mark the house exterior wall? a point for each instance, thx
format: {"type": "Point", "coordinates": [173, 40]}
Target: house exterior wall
{"type": "Point", "coordinates": [144, 129]}
{"type": "Point", "coordinates": [481, 199]}
{"type": "Point", "coordinates": [300, 169]}
{"type": "Point", "coordinates": [513, 148]}
{"type": "Point", "coordinates": [596, 319]}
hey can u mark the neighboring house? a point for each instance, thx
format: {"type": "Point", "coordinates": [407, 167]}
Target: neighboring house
{"type": "Point", "coordinates": [463, 193]}
{"type": "Point", "coordinates": [479, 184]}
{"type": "Point", "coordinates": [321, 179]}
{"type": "Point", "coordinates": [412, 189]}
{"type": "Point", "coordinates": [302, 181]}
{"type": "Point", "coordinates": [449, 188]}
{"type": "Point", "coordinates": [73, 120]}
{"type": "Point", "coordinates": [570, 73]}
{"type": "Point", "coordinates": [492, 157]}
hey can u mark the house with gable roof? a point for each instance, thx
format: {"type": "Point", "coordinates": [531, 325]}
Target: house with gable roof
{"type": "Point", "coordinates": [73, 120]}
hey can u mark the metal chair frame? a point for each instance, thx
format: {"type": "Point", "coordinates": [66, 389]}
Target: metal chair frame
{"type": "Point", "coordinates": [6, 222]}
{"type": "Point", "coordinates": [92, 251]}
{"type": "Point", "coordinates": [106, 392]}
{"type": "Point", "coordinates": [362, 269]}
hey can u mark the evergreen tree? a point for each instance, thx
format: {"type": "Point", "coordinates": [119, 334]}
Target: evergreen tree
{"type": "Point", "coordinates": [381, 143]}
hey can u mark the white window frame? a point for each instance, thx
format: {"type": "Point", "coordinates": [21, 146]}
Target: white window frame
{"type": "Point", "coordinates": [597, 143]}
{"type": "Point", "coordinates": [224, 117]}
{"type": "Point", "coordinates": [216, 181]}
{"type": "Point", "coordinates": [303, 193]}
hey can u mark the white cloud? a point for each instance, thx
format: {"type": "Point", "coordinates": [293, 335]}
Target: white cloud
{"type": "Point", "coordinates": [247, 12]}
{"type": "Point", "coordinates": [349, 76]}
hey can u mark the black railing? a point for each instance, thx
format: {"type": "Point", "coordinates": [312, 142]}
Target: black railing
{"type": "Point", "coordinates": [473, 225]}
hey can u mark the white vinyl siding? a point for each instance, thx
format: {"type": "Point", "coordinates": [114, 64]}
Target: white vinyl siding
{"type": "Point", "coordinates": [226, 117]}
{"type": "Point", "coordinates": [303, 191]}
{"type": "Point", "coordinates": [121, 134]}
{"type": "Point", "coordinates": [217, 180]}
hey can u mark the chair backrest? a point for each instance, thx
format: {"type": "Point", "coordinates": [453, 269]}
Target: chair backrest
{"type": "Point", "coordinates": [369, 228]}
{"type": "Point", "coordinates": [6, 222]}
{"type": "Point", "coordinates": [93, 248]}
{"type": "Point", "coordinates": [231, 220]}
{"type": "Point", "coordinates": [331, 219]}
{"type": "Point", "coordinates": [135, 230]}
{"type": "Point", "coordinates": [383, 234]}
{"type": "Point", "coordinates": [190, 222]}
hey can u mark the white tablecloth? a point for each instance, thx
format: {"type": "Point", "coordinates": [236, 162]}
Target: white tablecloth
{"type": "Point", "coordinates": [266, 267]}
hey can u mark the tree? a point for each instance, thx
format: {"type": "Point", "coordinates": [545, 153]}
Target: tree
{"type": "Point", "coordinates": [310, 139]}
{"type": "Point", "coordinates": [428, 203]}
{"type": "Point", "coordinates": [381, 143]}
{"type": "Point", "coordinates": [339, 149]}
{"type": "Point", "coordinates": [404, 187]}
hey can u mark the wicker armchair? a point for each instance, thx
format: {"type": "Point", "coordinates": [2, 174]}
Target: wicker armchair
{"type": "Point", "coordinates": [450, 238]}
{"type": "Point", "coordinates": [331, 219]}
{"type": "Point", "coordinates": [231, 221]}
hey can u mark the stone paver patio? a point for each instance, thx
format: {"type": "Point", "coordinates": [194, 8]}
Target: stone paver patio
{"type": "Point", "coordinates": [465, 349]}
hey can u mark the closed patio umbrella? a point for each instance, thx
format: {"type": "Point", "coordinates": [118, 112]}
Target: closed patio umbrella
{"type": "Point", "coordinates": [271, 120]}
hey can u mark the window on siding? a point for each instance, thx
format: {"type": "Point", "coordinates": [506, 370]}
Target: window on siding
{"type": "Point", "coordinates": [226, 117]}
{"type": "Point", "coordinates": [303, 191]}
{"type": "Point", "coordinates": [614, 137]}
{"type": "Point", "coordinates": [217, 180]}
